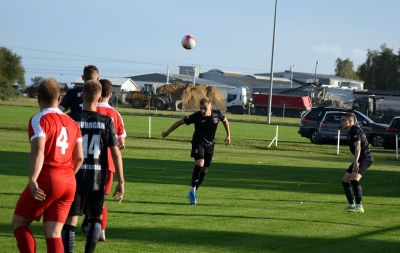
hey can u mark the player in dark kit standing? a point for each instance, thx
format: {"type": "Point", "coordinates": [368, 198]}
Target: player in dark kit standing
{"type": "Point", "coordinates": [205, 125]}
{"type": "Point", "coordinates": [363, 159]}
{"type": "Point", "coordinates": [98, 135]}
{"type": "Point", "coordinates": [73, 100]}
{"type": "Point", "coordinates": [56, 155]}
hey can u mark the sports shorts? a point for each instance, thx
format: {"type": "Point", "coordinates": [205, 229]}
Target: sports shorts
{"type": "Point", "coordinates": [362, 168]}
{"type": "Point", "coordinates": [93, 202]}
{"type": "Point", "coordinates": [109, 181]}
{"type": "Point", "coordinates": [55, 207]}
{"type": "Point", "coordinates": [201, 152]}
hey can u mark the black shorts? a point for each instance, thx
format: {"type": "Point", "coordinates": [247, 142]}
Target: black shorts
{"type": "Point", "coordinates": [92, 200]}
{"type": "Point", "coordinates": [201, 152]}
{"type": "Point", "coordinates": [362, 168]}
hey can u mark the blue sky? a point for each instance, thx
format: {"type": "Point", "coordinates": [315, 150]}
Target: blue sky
{"type": "Point", "coordinates": [126, 37]}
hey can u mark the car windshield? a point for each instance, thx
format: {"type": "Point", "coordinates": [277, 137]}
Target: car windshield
{"type": "Point", "coordinates": [365, 117]}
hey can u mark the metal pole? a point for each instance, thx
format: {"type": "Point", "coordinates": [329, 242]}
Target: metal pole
{"type": "Point", "coordinates": [338, 142]}
{"type": "Point", "coordinates": [291, 80]}
{"type": "Point", "coordinates": [272, 68]}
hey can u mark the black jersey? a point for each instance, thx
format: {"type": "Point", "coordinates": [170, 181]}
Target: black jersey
{"type": "Point", "coordinates": [204, 127]}
{"type": "Point", "coordinates": [357, 134]}
{"type": "Point", "coordinates": [98, 133]}
{"type": "Point", "coordinates": [73, 100]}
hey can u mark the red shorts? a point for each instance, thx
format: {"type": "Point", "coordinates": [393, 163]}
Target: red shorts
{"type": "Point", "coordinates": [109, 181]}
{"type": "Point", "coordinates": [55, 207]}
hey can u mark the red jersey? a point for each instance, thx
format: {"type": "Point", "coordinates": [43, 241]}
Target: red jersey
{"type": "Point", "coordinates": [106, 109]}
{"type": "Point", "coordinates": [61, 133]}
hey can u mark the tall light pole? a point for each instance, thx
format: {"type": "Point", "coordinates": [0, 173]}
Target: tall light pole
{"type": "Point", "coordinates": [315, 76]}
{"type": "Point", "coordinates": [291, 80]}
{"type": "Point", "coordinates": [272, 67]}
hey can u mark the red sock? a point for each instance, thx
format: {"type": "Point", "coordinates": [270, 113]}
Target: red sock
{"type": "Point", "coordinates": [54, 245]}
{"type": "Point", "coordinates": [104, 218]}
{"type": "Point", "coordinates": [25, 240]}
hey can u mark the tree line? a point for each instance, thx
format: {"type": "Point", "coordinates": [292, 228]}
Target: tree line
{"type": "Point", "coordinates": [380, 71]}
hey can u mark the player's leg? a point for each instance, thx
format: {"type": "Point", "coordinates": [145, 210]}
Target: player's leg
{"type": "Point", "coordinates": [198, 155]}
{"type": "Point", "coordinates": [95, 202]}
{"type": "Point", "coordinates": [355, 183]}
{"type": "Point", "coordinates": [107, 189]}
{"type": "Point", "coordinates": [23, 235]}
{"type": "Point", "coordinates": [208, 155]}
{"type": "Point", "coordinates": [56, 214]}
{"type": "Point", "coordinates": [348, 189]}
{"type": "Point", "coordinates": [68, 230]}
{"type": "Point", "coordinates": [85, 222]}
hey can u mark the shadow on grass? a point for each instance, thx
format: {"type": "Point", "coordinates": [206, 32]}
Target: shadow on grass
{"type": "Point", "coordinates": [189, 239]}
{"type": "Point", "coordinates": [239, 176]}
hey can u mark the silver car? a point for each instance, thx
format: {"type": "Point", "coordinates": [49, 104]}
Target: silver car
{"type": "Point", "coordinates": [330, 126]}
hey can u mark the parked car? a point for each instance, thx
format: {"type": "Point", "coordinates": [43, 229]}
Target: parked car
{"type": "Point", "coordinates": [329, 127]}
{"type": "Point", "coordinates": [392, 130]}
{"type": "Point", "coordinates": [312, 118]}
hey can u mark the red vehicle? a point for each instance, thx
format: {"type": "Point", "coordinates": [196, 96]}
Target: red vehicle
{"type": "Point", "coordinates": [290, 105]}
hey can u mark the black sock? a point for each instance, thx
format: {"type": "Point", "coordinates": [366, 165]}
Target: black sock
{"type": "Point", "coordinates": [93, 235]}
{"type": "Point", "coordinates": [195, 175]}
{"type": "Point", "coordinates": [202, 175]}
{"type": "Point", "coordinates": [68, 238]}
{"type": "Point", "coordinates": [348, 190]}
{"type": "Point", "coordinates": [357, 191]}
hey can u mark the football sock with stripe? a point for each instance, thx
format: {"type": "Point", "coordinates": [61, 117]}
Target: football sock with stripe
{"type": "Point", "coordinates": [93, 235]}
{"type": "Point", "coordinates": [68, 238]}
{"type": "Point", "coordinates": [348, 191]}
{"type": "Point", "coordinates": [104, 217]}
{"type": "Point", "coordinates": [357, 191]}
{"type": "Point", "coordinates": [201, 178]}
{"type": "Point", "coordinates": [25, 240]}
{"type": "Point", "coordinates": [195, 175]}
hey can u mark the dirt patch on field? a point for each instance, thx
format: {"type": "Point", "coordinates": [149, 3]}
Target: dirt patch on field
{"type": "Point", "coordinates": [191, 95]}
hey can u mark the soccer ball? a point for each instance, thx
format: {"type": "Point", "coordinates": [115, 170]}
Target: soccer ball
{"type": "Point", "coordinates": [188, 42]}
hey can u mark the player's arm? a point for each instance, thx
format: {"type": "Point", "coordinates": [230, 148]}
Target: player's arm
{"type": "Point", "coordinates": [121, 142]}
{"type": "Point", "coordinates": [172, 128]}
{"type": "Point", "coordinates": [227, 130]}
{"type": "Point", "coordinates": [357, 151]}
{"type": "Point", "coordinates": [78, 156]}
{"type": "Point", "coordinates": [117, 159]}
{"type": "Point", "coordinates": [36, 159]}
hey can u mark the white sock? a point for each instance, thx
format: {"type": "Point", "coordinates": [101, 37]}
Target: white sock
{"type": "Point", "coordinates": [193, 189]}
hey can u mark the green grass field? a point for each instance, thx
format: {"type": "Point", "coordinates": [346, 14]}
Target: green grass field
{"type": "Point", "coordinates": [254, 199]}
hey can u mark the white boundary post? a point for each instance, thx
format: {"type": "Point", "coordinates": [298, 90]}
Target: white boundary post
{"type": "Point", "coordinates": [149, 127]}
{"type": "Point", "coordinates": [275, 139]}
{"type": "Point", "coordinates": [338, 142]}
{"type": "Point", "coordinates": [397, 147]}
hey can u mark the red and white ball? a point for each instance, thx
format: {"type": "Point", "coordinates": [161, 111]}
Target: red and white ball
{"type": "Point", "coordinates": [188, 42]}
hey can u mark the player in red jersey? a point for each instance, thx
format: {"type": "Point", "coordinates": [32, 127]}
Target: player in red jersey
{"type": "Point", "coordinates": [105, 109]}
{"type": "Point", "coordinates": [56, 155]}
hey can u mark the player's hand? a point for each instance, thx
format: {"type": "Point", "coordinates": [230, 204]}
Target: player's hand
{"type": "Point", "coordinates": [164, 134]}
{"type": "Point", "coordinates": [355, 167]}
{"type": "Point", "coordinates": [227, 140]}
{"type": "Point", "coordinates": [119, 192]}
{"type": "Point", "coordinates": [37, 193]}
{"type": "Point", "coordinates": [121, 147]}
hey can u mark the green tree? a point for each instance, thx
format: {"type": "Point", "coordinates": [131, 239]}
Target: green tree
{"type": "Point", "coordinates": [381, 69]}
{"type": "Point", "coordinates": [36, 80]}
{"type": "Point", "coordinates": [344, 68]}
{"type": "Point", "coordinates": [11, 71]}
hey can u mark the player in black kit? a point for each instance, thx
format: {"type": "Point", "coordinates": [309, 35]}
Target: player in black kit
{"type": "Point", "coordinates": [73, 100]}
{"type": "Point", "coordinates": [363, 159]}
{"type": "Point", "coordinates": [205, 125]}
{"type": "Point", "coordinates": [98, 134]}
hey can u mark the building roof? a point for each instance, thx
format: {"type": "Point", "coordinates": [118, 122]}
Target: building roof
{"type": "Point", "coordinates": [116, 81]}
